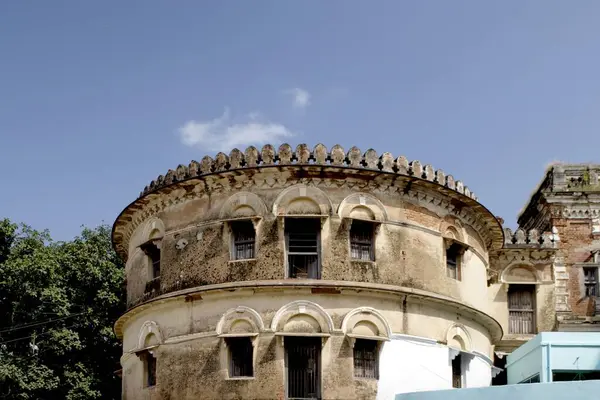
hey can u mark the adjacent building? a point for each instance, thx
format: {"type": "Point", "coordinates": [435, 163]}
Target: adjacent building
{"type": "Point", "coordinates": [325, 274]}
{"type": "Point", "coordinates": [556, 357]}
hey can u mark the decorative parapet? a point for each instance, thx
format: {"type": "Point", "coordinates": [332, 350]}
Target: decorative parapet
{"type": "Point", "coordinates": [532, 238]}
{"type": "Point", "coordinates": [576, 177]}
{"type": "Point", "coordinates": [319, 155]}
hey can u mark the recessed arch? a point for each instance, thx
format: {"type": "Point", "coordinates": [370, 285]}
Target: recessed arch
{"type": "Point", "coordinates": [149, 335]}
{"type": "Point", "coordinates": [520, 273]}
{"type": "Point", "coordinates": [302, 200]}
{"type": "Point", "coordinates": [451, 228]}
{"type": "Point", "coordinates": [291, 312]}
{"type": "Point", "coordinates": [153, 229]}
{"type": "Point", "coordinates": [457, 337]}
{"type": "Point", "coordinates": [362, 206]}
{"type": "Point", "coordinates": [243, 204]}
{"type": "Point", "coordinates": [366, 321]}
{"type": "Point", "coordinates": [240, 320]}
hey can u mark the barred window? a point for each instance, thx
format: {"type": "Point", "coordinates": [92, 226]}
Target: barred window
{"type": "Point", "coordinates": [244, 238]}
{"type": "Point", "coordinates": [366, 363]}
{"type": "Point", "coordinates": [149, 368]}
{"type": "Point", "coordinates": [153, 253]}
{"type": "Point", "coordinates": [361, 240]}
{"type": "Point", "coordinates": [591, 281]}
{"type": "Point", "coordinates": [240, 357]}
{"type": "Point", "coordinates": [453, 256]}
{"type": "Point", "coordinates": [302, 239]}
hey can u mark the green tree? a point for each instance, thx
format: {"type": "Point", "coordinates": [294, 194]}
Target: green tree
{"type": "Point", "coordinates": [58, 303]}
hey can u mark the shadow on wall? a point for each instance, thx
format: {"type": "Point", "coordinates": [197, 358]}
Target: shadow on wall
{"type": "Point", "coordinates": [546, 391]}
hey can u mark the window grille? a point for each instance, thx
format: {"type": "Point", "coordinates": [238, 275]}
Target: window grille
{"type": "Point", "coordinates": [591, 281]}
{"type": "Point", "coordinates": [453, 261]}
{"type": "Point", "coordinates": [240, 357]}
{"type": "Point", "coordinates": [361, 241]}
{"type": "Point", "coordinates": [366, 363]}
{"type": "Point", "coordinates": [303, 362]}
{"type": "Point", "coordinates": [302, 236]}
{"type": "Point", "coordinates": [244, 239]}
{"type": "Point", "coordinates": [153, 253]}
{"type": "Point", "coordinates": [521, 309]}
{"type": "Point", "coordinates": [457, 372]}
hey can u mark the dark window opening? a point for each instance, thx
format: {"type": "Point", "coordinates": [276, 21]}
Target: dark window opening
{"type": "Point", "coordinates": [590, 280]}
{"type": "Point", "coordinates": [244, 238]}
{"type": "Point", "coordinates": [361, 240]}
{"type": "Point", "coordinates": [366, 363]}
{"type": "Point", "coordinates": [563, 376]}
{"type": "Point", "coordinates": [453, 255]}
{"type": "Point", "coordinates": [532, 379]}
{"type": "Point", "coordinates": [149, 368]}
{"type": "Point", "coordinates": [302, 238]}
{"type": "Point", "coordinates": [500, 379]}
{"type": "Point", "coordinates": [240, 357]}
{"type": "Point", "coordinates": [303, 364]}
{"type": "Point", "coordinates": [457, 371]}
{"type": "Point", "coordinates": [521, 309]}
{"type": "Point", "coordinates": [153, 253]}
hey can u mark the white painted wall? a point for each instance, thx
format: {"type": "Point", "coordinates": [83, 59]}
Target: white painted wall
{"type": "Point", "coordinates": [413, 364]}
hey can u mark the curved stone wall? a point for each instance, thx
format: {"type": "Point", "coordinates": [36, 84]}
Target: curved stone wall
{"type": "Point", "coordinates": [408, 247]}
{"type": "Point", "coordinates": [186, 294]}
{"type": "Point", "coordinates": [418, 333]}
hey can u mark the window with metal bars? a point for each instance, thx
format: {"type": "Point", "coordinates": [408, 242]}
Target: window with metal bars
{"type": "Point", "coordinates": [362, 240]}
{"type": "Point", "coordinates": [590, 281]}
{"type": "Point", "coordinates": [457, 371]}
{"type": "Point", "coordinates": [153, 253]}
{"type": "Point", "coordinates": [303, 247]}
{"type": "Point", "coordinates": [521, 309]}
{"type": "Point", "coordinates": [453, 258]}
{"type": "Point", "coordinates": [244, 238]}
{"type": "Point", "coordinates": [149, 368]}
{"type": "Point", "coordinates": [366, 362]}
{"type": "Point", "coordinates": [240, 357]}
{"type": "Point", "coordinates": [303, 364]}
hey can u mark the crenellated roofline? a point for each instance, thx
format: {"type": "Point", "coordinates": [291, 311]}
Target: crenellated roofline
{"type": "Point", "coordinates": [354, 158]}
{"type": "Point", "coordinates": [378, 172]}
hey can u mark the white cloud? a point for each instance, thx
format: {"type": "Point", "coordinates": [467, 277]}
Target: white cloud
{"type": "Point", "coordinates": [224, 133]}
{"type": "Point", "coordinates": [301, 97]}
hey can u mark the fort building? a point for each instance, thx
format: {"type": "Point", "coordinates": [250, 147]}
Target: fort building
{"type": "Point", "coordinates": [330, 274]}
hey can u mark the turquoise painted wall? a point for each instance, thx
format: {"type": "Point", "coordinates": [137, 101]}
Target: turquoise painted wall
{"type": "Point", "coordinates": [554, 351]}
{"type": "Point", "coordinates": [546, 391]}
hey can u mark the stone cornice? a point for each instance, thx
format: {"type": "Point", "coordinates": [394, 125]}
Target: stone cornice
{"type": "Point", "coordinates": [561, 182]}
{"type": "Point", "coordinates": [413, 189]}
{"type": "Point", "coordinates": [418, 295]}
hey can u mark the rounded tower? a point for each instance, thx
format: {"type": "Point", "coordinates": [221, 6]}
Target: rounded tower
{"type": "Point", "coordinates": [305, 273]}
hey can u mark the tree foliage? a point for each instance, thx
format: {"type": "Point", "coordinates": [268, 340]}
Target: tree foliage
{"type": "Point", "coordinates": [58, 303]}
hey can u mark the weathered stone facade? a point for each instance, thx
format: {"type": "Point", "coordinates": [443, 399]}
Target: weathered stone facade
{"type": "Point", "coordinates": [406, 286]}
{"type": "Point", "coordinates": [567, 203]}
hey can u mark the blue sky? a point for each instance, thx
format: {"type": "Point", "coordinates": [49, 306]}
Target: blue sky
{"type": "Point", "coordinates": [99, 98]}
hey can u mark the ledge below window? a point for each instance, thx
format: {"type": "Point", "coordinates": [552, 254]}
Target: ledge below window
{"type": "Point", "coordinates": [283, 335]}
{"type": "Point", "coordinates": [352, 337]}
{"type": "Point", "coordinates": [238, 335]}
{"type": "Point", "coordinates": [242, 260]}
